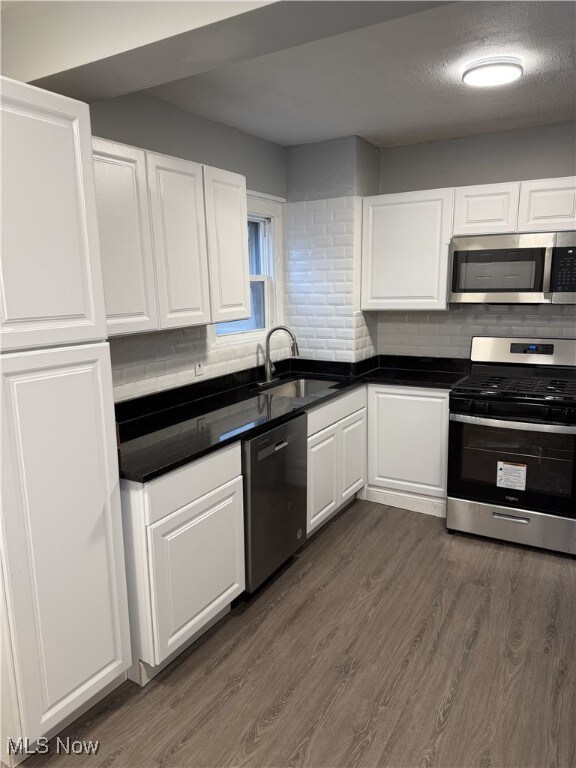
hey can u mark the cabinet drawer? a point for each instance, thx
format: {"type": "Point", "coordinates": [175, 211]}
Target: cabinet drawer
{"type": "Point", "coordinates": [328, 414]}
{"type": "Point", "coordinates": [175, 489]}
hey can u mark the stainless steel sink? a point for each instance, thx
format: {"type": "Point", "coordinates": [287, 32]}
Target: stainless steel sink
{"type": "Point", "coordinates": [299, 387]}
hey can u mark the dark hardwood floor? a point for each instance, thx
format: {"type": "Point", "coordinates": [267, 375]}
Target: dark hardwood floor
{"type": "Point", "coordinates": [387, 642]}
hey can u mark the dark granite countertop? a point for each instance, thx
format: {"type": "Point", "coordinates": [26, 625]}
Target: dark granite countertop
{"type": "Point", "coordinates": [408, 378]}
{"type": "Point", "coordinates": [161, 432]}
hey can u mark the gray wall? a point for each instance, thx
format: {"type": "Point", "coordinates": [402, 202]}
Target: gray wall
{"type": "Point", "coordinates": [533, 153]}
{"type": "Point", "coordinates": [148, 122]}
{"type": "Point", "coordinates": [333, 168]}
{"type": "Point", "coordinates": [367, 168]}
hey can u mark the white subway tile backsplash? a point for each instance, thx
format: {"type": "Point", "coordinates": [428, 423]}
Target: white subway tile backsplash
{"type": "Point", "coordinates": [328, 289]}
{"type": "Point", "coordinates": [339, 228]}
{"type": "Point", "coordinates": [450, 333]}
{"type": "Point", "coordinates": [150, 362]}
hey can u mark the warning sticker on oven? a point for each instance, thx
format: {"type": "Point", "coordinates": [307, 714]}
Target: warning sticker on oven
{"type": "Point", "coordinates": [511, 476]}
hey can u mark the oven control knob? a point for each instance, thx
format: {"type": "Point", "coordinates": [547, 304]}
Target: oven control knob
{"type": "Point", "coordinates": [468, 405]}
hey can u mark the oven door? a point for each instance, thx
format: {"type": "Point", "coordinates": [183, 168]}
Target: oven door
{"type": "Point", "coordinates": [501, 269]}
{"type": "Point", "coordinates": [514, 464]}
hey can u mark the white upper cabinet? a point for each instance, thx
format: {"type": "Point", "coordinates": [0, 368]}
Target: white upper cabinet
{"type": "Point", "coordinates": [174, 240]}
{"type": "Point", "coordinates": [486, 208]}
{"type": "Point", "coordinates": [405, 240]}
{"type": "Point", "coordinates": [125, 237]}
{"type": "Point", "coordinates": [547, 205]}
{"type": "Point", "coordinates": [179, 236]}
{"type": "Point", "coordinates": [62, 544]}
{"type": "Point", "coordinates": [51, 280]}
{"type": "Point", "coordinates": [226, 224]}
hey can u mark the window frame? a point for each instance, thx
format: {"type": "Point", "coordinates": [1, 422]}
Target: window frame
{"type": "Point", "coordinates": [268, 210]}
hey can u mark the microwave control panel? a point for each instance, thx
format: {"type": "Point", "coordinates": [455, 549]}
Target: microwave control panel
{"type": "Point", "coordinates": [564, 272]}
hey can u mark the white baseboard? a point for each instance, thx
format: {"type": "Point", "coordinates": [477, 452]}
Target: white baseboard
{"type": "Point", "coordinates": [427, 505]}
{"type": "Point", "coordinates": [332, 515]}
{"type": "Point", "coordinates": [141, 673]}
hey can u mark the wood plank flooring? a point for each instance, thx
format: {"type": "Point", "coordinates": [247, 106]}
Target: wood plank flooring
{"type": "Point", "coordinates": [386, 642]}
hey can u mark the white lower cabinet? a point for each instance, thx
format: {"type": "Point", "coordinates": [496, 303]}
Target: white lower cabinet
{"type": "Point", "coordinates": [352, 432]}
{"type": "Point", "coordinates": [408, 447]}
{"type": "Point", "coordinates": [323, 481]}
{"type": "Point", "coordinates": [185, 555]}
{"type": "Point", "coordinates": [336, 455]}
{"type": "Point", "coordinates": [64, 624]}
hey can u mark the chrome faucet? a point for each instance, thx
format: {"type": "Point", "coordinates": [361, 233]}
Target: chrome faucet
{"type": "Point", "coordinates": [268, 364]}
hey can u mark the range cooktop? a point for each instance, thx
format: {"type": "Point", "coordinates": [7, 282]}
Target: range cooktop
{"type": "Point", "coordinates": [547, 387]}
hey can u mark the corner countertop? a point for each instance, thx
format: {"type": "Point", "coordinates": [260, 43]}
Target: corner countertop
{"type": "Point", "coordinates": [160, 433]}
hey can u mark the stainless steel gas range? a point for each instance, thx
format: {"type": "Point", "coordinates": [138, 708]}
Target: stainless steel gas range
{"type": "Point", "coordinates": [512, 444]}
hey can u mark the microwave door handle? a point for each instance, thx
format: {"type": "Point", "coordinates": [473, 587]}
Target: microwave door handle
{"type": "Point", "coordinates": [547, 276]}
{"type": "Point", "coordinates": [527, 426]}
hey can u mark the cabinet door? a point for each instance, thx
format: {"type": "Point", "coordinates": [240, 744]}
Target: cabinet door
{"type": "Point", "coordinates": [196, 565]}
{"type": "Point", "coordinates": [547, 205]}
{"type": "Point", "coordinates": [486, 208]}
{"type": "Point", "coordinates": [179, 237]}
{"type": "Point", "coordinates": [324, 494]}
{"type": "Point", "coordinates": [405, 241]}
{"type": "Point", "coordinates": [352, 454]}
{"type": "Point", "coordinates": [50, 272]}
{"type": "Point", "coordinates": [227, 228]}
{"type": "Point", "coordinates": [125, 237]}
{"type": "Point", "coordinates": [408, 439]}
{"type": "Point", "coordinates": [61, 531]}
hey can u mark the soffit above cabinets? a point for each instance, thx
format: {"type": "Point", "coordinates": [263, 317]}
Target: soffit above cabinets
{"type": "Point", "coordinates": [389, 72]}
{"type": "Point", "coordinates": [398, 82]}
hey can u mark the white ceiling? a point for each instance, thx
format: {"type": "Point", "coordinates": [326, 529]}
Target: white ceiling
{"type": "Point", "coordinates": [398, 82]}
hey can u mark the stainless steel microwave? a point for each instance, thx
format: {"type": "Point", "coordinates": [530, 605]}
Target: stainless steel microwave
{"type": "Point", "coordinates": [531, 268]}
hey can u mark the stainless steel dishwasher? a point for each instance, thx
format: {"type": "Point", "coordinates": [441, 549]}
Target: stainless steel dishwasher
{"type": "Point", "coordinates": [275, 469]}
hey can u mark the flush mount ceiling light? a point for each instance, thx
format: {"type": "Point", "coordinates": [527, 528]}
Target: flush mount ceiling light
{"type": "Point", "coordinates": [494, 71]}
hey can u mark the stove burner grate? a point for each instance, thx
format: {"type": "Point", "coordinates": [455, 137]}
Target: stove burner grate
{"type": "Point", "coordinates": [521, 386]}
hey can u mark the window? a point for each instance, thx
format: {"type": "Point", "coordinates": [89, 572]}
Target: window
{"type": "Point", "coordinates": [261, 260]}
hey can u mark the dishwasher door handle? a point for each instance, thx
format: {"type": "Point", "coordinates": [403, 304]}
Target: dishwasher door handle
{"type": "Point", "coordinates": [275, 447]}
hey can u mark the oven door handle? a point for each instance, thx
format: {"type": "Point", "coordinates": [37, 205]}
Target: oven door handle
{"type": "Point", "coordinates": [523, 425]}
